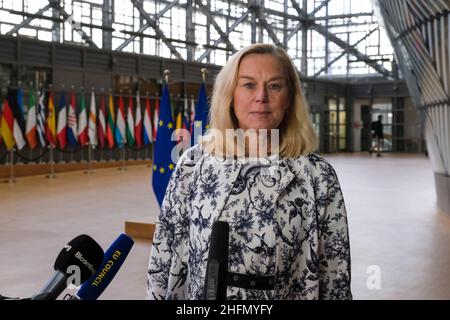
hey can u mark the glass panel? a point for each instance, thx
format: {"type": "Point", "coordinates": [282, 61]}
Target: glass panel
{"type": "Point", "coordinates": [389, 118]}
{"type": "Point", "coordinates": [332, 104]}
{"type": "Point", "coordinates": [342, 117]}
{"type": "Point", "coordinates": [387, 130]}
{"type": "Point", "coordinates": [341, 131]}
{"type": "Point", "coordinates": [342, 103]}
{"type": "Point", "coordinates": [315, 118]}
{"type": "Point", "coordinates": [333, 118]}
{"type": "Point", "coordinates": [342, 145]}
{"type": "Point", "coordinates": [353, 30]}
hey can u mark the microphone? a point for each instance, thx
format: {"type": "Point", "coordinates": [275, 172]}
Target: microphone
{"type": "Point", "coordinates": [217, 266]}
{"type": "Point", "coordinates": [81, 254]}
{"type": "Point", "coordinates": [112, 261]}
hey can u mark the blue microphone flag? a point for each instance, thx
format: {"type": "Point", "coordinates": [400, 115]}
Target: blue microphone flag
{"type": "Point", "coordinates": [113, 260]}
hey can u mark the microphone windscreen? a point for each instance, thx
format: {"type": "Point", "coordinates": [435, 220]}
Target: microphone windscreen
{"type": "Point", "coordinates": [82, 251]}
{"type": "Point", "coordinates": [113, 260]}
{"type": "Point", "coordinates": [217, 266]}
{"type": "Point", "coordinates": [218, 249]}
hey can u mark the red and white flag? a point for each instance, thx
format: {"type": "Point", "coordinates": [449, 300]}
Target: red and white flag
{"type": "Point", "coordinates": [101, 129]}
{"type": "Point", "coordinates": [156, 119]}
{"type": "Point", "coordinates": [138, 122]}
{"type": "Point", "coordinates": [92, 131]}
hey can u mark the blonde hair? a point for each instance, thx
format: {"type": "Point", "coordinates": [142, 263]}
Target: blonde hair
{"type": "Point", "coordinates": [297, 135]}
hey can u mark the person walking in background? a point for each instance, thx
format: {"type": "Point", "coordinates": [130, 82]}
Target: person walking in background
{"type": "Point", "coordinates": [377, 134]}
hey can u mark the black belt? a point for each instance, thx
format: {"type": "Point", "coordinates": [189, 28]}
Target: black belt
{"type": "Point", "coordinates": [246, 281]}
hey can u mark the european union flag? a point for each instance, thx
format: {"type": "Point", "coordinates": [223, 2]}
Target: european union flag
{"type": "Point", "coordinates": [201, 115]}
{"type": "Point", "coordinates": [162, 161]}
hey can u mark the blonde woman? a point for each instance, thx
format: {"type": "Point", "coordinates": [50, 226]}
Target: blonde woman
{"type": "Point", "coordinates": [283, 203]}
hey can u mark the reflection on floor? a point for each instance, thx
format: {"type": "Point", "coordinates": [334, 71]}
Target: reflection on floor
{"type": "Point", "coordinates": [396, 230]}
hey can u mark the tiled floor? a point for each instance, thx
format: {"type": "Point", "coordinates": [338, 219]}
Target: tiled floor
{"type": "Point", "coordinates": [395, 227]}
{"type": "Point", "coordinates": [39, 216]}
{"type": "Point", "coordinates": [396, 230]}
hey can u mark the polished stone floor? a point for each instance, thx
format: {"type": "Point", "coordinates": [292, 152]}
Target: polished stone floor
{"type": "Point", "coordinates": [400, 242]}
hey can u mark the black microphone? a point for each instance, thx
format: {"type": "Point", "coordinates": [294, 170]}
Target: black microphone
{"type": "Point", "coordinates": [81, 254]}
{"type": "Point", "coordinates": [217, 266]}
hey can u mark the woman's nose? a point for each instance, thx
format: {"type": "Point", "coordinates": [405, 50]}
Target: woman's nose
{"type": "Point", "coordinates": [261, 94]}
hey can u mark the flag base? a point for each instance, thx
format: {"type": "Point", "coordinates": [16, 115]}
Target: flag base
{"type": "Point", "coordinates": [44, 169]}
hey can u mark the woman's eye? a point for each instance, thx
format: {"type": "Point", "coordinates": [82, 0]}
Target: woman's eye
{"type": "Point", "coordinates": [249, 85]}
{"type": "Point", "coordinates": [274, 86]}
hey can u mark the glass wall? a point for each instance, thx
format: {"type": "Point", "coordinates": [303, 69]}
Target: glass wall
{"type": "Point", "coordinates": [340, 32]}
{"type": "Point", "coordinates": [337, 124]}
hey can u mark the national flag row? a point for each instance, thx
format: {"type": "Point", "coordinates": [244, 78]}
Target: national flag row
{"type": "Point", "coordinates": [74, 123]}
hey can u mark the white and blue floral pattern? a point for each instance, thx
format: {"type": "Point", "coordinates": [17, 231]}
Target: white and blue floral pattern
{"type": "Point", "coordinates": [287, 219]}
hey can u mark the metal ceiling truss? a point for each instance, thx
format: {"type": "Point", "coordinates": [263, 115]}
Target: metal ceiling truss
{"type": "Point", "coordinates": [341, 43]}
{"type": "Point", "coordinates": [325, 68]}
{"type": "Point", "coordinates": [54, 4]}
{"type": "Point", "coordinates": [28, 20]}
{"type": "Point", "coordinates": [230, 29]}
{"type": "Point", "coordinates": [147, 25]}
{"type": "Point", "coordinates": [255, 13]}
{"type": "Point", "coordinates": [138, 5]}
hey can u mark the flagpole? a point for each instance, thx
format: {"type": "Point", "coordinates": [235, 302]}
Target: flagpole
{"type": "Point", "coordinates": [192, 119]}
{"type": "Point", "coordinates": [204, 72]}
{"type": "Point", "coordinates": [166, 76]}
{"type": "Point", "coordinates": [122, 150]}
{"type": "Point", "coordinates": [21, 107]}
{"type": "Point", "coordinates": [36, 102]}
{"type": "Point", "coordinates": [11, 166]}
{"type": "Point", "coordinates": [52, 163]}
{"type": "Point", "coordinates": [26, 120]}
{"type": "Point", "coordinates": [102, 90]}
{"type": "Point", "coordinates": [110, 150]}
{"type": "Point", "coordinates": [40, 89]}
{"type": "Point", "coordinates": [126, 124]}
{"type": "Point", "coordinates": [123, 167]}
{"type": "Point", "coordinates": [91, 147]}
{"type": "Point", "coordinates": [89, 170]}
{"type": "Point", "coordinates": [61, 160]}
{"type": "Point", "coordinates": [155, 125]}
{"type": "Point", "coordinates": [146, 147]}
{"type": "Point", "coordinates": [52, 146]}
{"type": "Point", "coordinates": [146, 152]}
{"type": "Point", "coordinates": [82, 147]}
{"type": "Point", "coordinates": [68, 126]}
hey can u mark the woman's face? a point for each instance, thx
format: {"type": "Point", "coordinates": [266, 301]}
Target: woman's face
{"type": "Point", "coordinates": [261, 97]}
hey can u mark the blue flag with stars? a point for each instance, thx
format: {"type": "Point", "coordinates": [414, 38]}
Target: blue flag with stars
{"type": "Point", "coordinates": [201, 115]}
{"type": "Point", "coordinates": [162, 161]}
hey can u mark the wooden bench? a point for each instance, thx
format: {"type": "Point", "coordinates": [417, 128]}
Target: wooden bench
{"type": "Point", "coordinates": [140, 229]}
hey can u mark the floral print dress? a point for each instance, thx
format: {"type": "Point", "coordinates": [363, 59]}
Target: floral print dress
{"type": "Point", "coordinates": [287, 219]}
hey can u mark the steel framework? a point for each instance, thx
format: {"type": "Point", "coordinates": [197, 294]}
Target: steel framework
{"type": "Point", "coordinates": [325, 38]}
